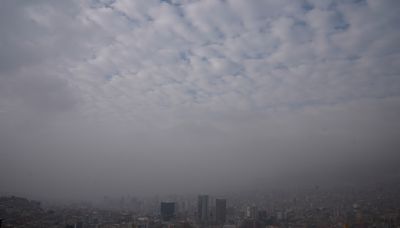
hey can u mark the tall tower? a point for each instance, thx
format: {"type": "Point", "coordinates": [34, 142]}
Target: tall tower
{"type": "Point", "coordinates": [220, 211]}
{"type": "Point", "coordinates": [202, 209]}
{"type": "Point", "coordinates": [167, 211]}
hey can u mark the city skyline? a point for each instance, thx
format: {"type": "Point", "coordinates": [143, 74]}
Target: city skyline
{"type": "Point", "coordinates": [375, 206]}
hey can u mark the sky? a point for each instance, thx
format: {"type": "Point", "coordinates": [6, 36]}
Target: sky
{"type": "Point", "coordinates": [114, 97]}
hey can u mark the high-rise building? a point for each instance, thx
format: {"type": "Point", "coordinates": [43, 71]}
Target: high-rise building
{"type": "Point", "coordinates": [220, 211]}
{"type": "Point", "coordinates": [251, 212]}
{"type": "Point", "coordinates": [202, 208]}
{"type": "Point", "coordinates": [167, 211]}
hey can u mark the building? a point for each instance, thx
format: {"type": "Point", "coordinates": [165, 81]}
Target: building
{"type": "Point", "coordinates": [251, 212]}
{"type": "Point", "coordinates": [202, 209]}
{"type": "Point", "coordinates": [167, 211]}
{"type": "Point", "coordinates": [220, 211]}
{"type": "Point", "coordinates": [141, 222]}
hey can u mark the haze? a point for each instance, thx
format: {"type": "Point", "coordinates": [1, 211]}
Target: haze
{"type": "Point", "coordinates": [116, 97]}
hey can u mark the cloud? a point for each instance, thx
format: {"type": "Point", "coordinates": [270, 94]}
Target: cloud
{"type": "Point", "coordinates": [169, 83]}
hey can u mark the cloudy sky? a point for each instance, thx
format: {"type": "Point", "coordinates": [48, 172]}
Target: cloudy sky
{"type": "Point", "coordinates": [150, 96]}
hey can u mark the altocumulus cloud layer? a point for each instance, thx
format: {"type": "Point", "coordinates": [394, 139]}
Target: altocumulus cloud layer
{"type": "Point", "coordinates": [149, 96]}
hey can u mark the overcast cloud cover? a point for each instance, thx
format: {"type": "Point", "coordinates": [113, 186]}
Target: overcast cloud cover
{"type": "Point", "coordinates": [146, 96]}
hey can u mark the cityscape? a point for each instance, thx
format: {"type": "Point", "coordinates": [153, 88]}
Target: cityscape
{"type": "Point", "coordinates": [199, 113]}
{"type": "Point", "coordinates": [313, 207]}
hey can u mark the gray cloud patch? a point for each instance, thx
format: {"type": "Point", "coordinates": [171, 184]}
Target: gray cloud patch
{"type": "Point", "coordinates": [152, 95]}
